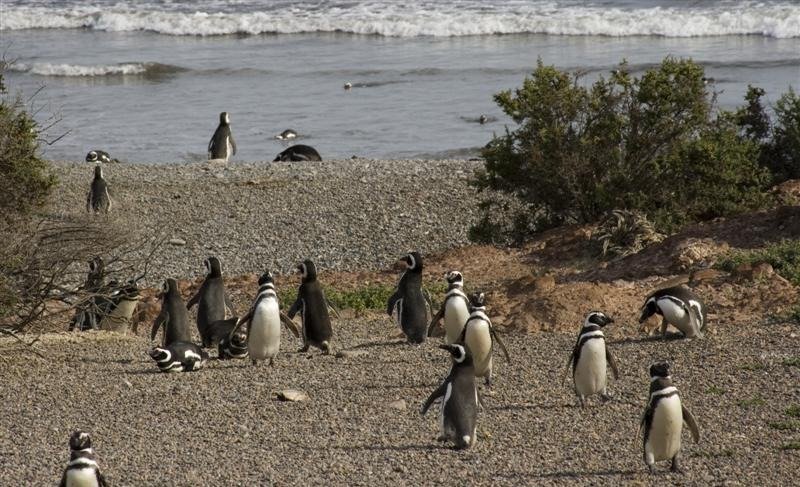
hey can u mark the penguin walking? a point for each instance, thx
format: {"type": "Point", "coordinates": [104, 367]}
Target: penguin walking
{"type": "Point", "coordinates": [231, 342]}
{"type": "Point", "coordinates": [297, 153]}
{"type": "Point", "coordinates": [313, 309]}
{"type": "Point", "coordinates": [459, 410]}
{"type": "Point", "coordinates": [663, 420]}
{"type": "Point", "coordinates": [410, 301]}
{"type": "Point", "coordinates": [264, 318]}
{"type": "Point", "coordinates": [211, 299]}
{"type": "Point", "coordinates": [82, 469]}
{"type": "Point", "coordinates": [179, 357]}
{"type": "Point", "coordinates": [589, 358]}
{"type": "Point", "coordinates": [98, 199]}
{"type": "Point", "coordinates": [172, 317]}
{"type": "Point", "coordinates": [222, 146]}
{"type": "Point", "coordinates": [454, 309]}
{"type": "Point", "coordinates": [100, 156]}
{"type": "Point", "coordinates": [479, 336]}
{"type": "Point", "coordinates": [678, 307]}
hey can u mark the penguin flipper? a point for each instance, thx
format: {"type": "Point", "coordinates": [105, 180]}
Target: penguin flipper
{"type": "Point", "coordinates": [392, 303]}
{"type": "Point", "coordinates": [160, 320]}
{"type": "Point", "coordinates": [333, 308]}
{"type": "Point", "coordinates": [439, 392]}
{"type": "Point", "coordinates": [89, 201]}
{"type": "Point", "coordinates": [436, 318]}
{"type": "Point", "coordinates": [566, 370]}
{"type": "Point", "coordinates": [295, 307]}
{"type": "Point", "coordinates": [101, 480]}
{"type": "Point", "coordinates": [691, 423]}
{"type": "Point", "coordinates": [229, 304]}
{"type": "Point", "coordinates": [233, 143]}
{"type": "Point", "coordinates": [291, 325]}
{"type": "Point", "coordinates": [502, 345]}
{"type": "Point", "coordinates": [108, 201]}
{"type": "Point", "coordinates": [612, 363]}
{"type": "Point", "coordinates": [63, 482]}
{"type": "Point", "coordinates": [427, 297]}
{"type": "Point", "coordinates": [194, 299]}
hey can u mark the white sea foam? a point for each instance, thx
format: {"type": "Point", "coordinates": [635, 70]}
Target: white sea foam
{"type": "Point", "coordinates": [50, 69]}
{"type": "Point", "coordinates": [417, 18]}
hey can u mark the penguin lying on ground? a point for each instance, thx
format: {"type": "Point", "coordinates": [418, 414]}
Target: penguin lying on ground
{"type": "Point", "coordinates": [222, 146]}
{"type": "Point", "coordinates": [264, 319]}
{"type": "Point", "coordinates": [100, 156]}
{"type": "Point", "coordinates": [459, 409]}
{"type": "Point", "coordinates": [313, 309]}
{"type": "Point", "coordinates": [678, 307]}
{"type": "Point", "coordinates": [454, 309]}
{"type": "Point", "coordinates": [663, 420]}
{"type": "Point", "coordinates": [298, 152]}
{"type": "Point", "coordinates": [231, 341]}
{"type": "Point", "coordinates": [589, 358]}
{"type": "Point", "coordinates": [179, 357]}
{"type": "Point", "coordinates": [211, 300]}
{"type": "Point", "coordinates": [479, 336]}
{"type": "Point", "coordinates": [410, 301]}
{"type": "Point", "coordinates": [82, 469]}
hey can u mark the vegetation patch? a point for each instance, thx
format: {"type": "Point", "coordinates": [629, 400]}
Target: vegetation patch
{"type": "Point", "coordinates": [792, 361]}
{"type": "Point", "coordinates": [715, 390]}
{"type": "Point", "coordinates": [752, 402]}
{"type": "Point", "coordinates": [752, 366]}
{"type": "Point", "coordinates": [792, 445]}
{"type": "Point", "coordinates": [372, 297]}
{"type": "Point", "coordinates": [788, 425]}
{"type": "Point", "coordinates": [783, 256]}
{"type": "Point", "coordinates": [793, 411]}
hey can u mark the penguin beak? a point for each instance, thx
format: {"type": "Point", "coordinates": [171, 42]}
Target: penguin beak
{"type": "Point", "coordinates": [645, 314]}
{"type": "Point", "coordinates": [446, 347]}
{"type": "Point", "coordinates": [609, 320]}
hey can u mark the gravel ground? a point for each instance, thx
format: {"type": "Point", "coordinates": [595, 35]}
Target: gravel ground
{"type": "Point", "coordinates": [223, 426]}
{"type": "Point", "coordinates": [345, 215]}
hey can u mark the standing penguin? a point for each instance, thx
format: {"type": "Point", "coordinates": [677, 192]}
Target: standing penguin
{"type": "Point", "coordinates": [122, 305]}
{"type": "Point", "coordinates": [410, 301]}
{"type": "Point", "coordinates": [98, 199]}
{"type": "Point", "coordinates": [678, 307]}
{"type": "Point", "coordinates": [479, 337]}
{"type": "Point", "coordinates": [313, 308]}
{"type": "Point", "coordinates": [265, 317]}
{"type": "Point", "coordinates": [459, 411]}
{"type": "Point", "coordinates": [86, 316]}
{"type": "Point", "coordinates": [212, 301]}
{"type": "Point", "coordinates": [663, 420]}
{"type": "Point", "coordinates": [589, 358]}
{"type": "Point", "coordinates": [455, 308]}
{"type": "Point", "coordinates": [82, 469]}
{"type": "Point", "coordinates": [173, 316]}
{"type": "Point", "coordinates": [222, 146]}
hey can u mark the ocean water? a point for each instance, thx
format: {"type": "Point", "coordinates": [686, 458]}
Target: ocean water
{"type": "Point", "coordinates": [146, 80]}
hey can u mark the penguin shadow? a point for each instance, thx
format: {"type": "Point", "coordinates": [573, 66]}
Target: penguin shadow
{"type": "Point", "coordinates": [376, 344]}
{"type": "Point", "coordinates": [648, 339]}
{"type": "Point", "coordinates": [531, 406]}
{"type": "Point", "coordinates": [84, 360]}
{"type": "Point", "coordinates": [410, 447]}
{"type": "Point", "coordinates": [575, 474]}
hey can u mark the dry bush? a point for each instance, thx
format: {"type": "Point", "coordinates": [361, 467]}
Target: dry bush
{"type": "Point", "coordinates": [625, 232]}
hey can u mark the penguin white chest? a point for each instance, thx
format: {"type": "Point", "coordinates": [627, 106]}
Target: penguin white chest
{"type": "Point", "coordinates": [265, 330]}
{"type": "Point", "coordinates": [228, 147]}
{"type": "Point", "coordinates": [478, 340]}
{"type": "Point", "coordinates": [664, 440]}
{"type": "Point", "coordinates": [456, 314]}
{"type": "Point", "coordinates": [590, 371]}
{"type": "Point", "coordinates": [81, 477]}
{"type": "Point", "coordinates": [674, 314]}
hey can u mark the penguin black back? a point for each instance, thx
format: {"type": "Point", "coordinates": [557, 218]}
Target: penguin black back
{"type": "Point", "coordinates": [98, 198]}
{"type": "Point", "coordinates": [313, 308]}
{"type": "Point", "coordinates": [211, 300]}
{"type": "Point", "coordinates": [410, 301]}
{"type": "Point", "coordinates": [298, 152]}
{"type": "Point", "coordinates": [173, 316]}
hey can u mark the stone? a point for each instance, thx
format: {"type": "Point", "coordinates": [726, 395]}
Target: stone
{"type": "Point", "coordinates": [292, 395]}
{"type": "Point", "coordinates": [177, 242]}
{"type": "Point", "coordinates": [399, 404]}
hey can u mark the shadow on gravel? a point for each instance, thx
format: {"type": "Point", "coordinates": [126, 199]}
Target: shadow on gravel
{"type": "Point", "coordinates": [386, 343]}
{"type": "Point", "coordinates": [569, 474]}
{"type": "Point", "coordinates": [524, 407]}
{"type": "Point", "coordinates": [654, 339]}
{"type": "Point", "coordinates": [426, 447]}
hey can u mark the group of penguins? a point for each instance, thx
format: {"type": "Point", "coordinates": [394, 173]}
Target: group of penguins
{"type": "Point", "coordinates": [468, 335]}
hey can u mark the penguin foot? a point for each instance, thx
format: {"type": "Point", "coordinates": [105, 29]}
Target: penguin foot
{"type": "Point", "coordinates": [652, 469]}
{"type": "Point", "coordinates": [675, 465]}
{"type": "Point", "coordinates": [442, 438]}
{"type": "Point", "coordinates": [606, 398]}
{"type": "Point", "coordinates": [304, 349]}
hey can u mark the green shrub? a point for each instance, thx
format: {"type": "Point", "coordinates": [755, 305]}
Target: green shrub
{"type": "Point", "coordinates": [25, 178]}
{"type": "Point", "coordinates": [624, 233]}
{"type": "Point", "coordinates": [649, 144]}
{"type": "Point", "coordinates": [783, 256]}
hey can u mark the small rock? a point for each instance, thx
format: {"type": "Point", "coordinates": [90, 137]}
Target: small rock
{"type": "Point", "coordinates": [399, 404]}
{"type": "Point", "coordinates": [176, 241]}
{"type": "Point", "coordinates": [705, 275]}
{"type": "Point", "coordinates": [292, 395]}
{"type": "Point", "coordinates": [127, 383]}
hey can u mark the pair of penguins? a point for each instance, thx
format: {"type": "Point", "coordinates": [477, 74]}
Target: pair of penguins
{"type": "Point", "coordinates": [222, 145]}
{"type": "Point", "coordinates": [260, 340]}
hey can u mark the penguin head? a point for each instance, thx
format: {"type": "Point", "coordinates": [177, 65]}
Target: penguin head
{"type": "Point", "coordinates": [91, 156]}
{"type": "Point", "coordinates": [483, 119]}
{"type": "Point", "coordinates": [160, 354]}
{"type": "Point", "coordinates": [413, 262]}
{"type": "Point", "coordinates": [266, 278]}
{"type": "Point", "coordinates": [213, 267]}
{"type": "Point", "coordinates": [170, 286]}
{"type": "Point", "coordinates": [308, 270]}
{"type": "Point", "coordinates": [458, 352]}
{"type": "Point", "coordinates": [659, 370]}
{"type": "Point", "coordinates": [454, 279]}
{"type": "Point", "coordinates": [98, 172]}
{"type": "Point", "coordinates": [597, 318]}
{"type": "Point", "coordinates": [649, 309]}
{"type": "Point", "coordinates": [348, 85]}
{"type": "Point", "coordinates": [96, 265]}
{"type": "Point", "coordinates": [477, 301]}
{"type": "Point", "coordinates": [80, 440]}
{"type": "Point", "coordinates": [224, 118]}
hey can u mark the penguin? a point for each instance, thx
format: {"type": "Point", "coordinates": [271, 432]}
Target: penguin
{"type": "Point", "coordinates": [173, 316]}
{"type": "Point", "coordinates": [454, 309]}
{"type": "Point", "coordinates": [663, 420]}
{"type": "Point", "coordinates": [287, 134]}
{"type": "Point", "coordinates": [589, 358]}
{"type": "Point", "coordinates": [313, 309]}
{"type": "Point", "coordinates": [85, 317]}
{"type": "Point", "coordinates": [231, 343]}
{"type": "Point", "coordinates": [678, 307]}
{"type": "Point", "coordinates": [222, 146]}
{"type": "Point", "coordinates": [298, 152]}
{"type": "Point", "coordinates": [122, 305]}
{"type": "Point", "coordinates": [265, 317]}
{"type": "Point", "coordinates": [459, 410]}
{"type": "Point", "coordinates": [211, 299]}
{"type": "Point", "coordinates": [98, 199]}
{"type": "Point", "coordinates": [348, 86]}
{"type": "Point", "coordinates": [179, 357]}
{"type": "Point", "coordinates": [82, 469]}
{"type": "Point", "coordinates": [479, 337]}
{"type": "Point", "coordinates": [483, 119]}
{"type": "Point", "coordinates": [100, 156]}
{"type": "Point", "coordinates": [410, 301]}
